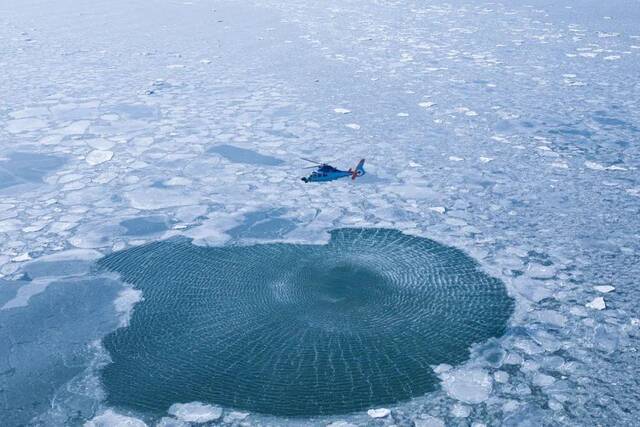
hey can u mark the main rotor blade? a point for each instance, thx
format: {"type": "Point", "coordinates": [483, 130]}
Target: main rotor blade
{"type": "Point", "coordinates": [312, 161]}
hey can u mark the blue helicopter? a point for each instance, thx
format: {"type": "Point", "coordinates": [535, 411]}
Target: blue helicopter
{"type": "Point", "coordinates": [325, 172]}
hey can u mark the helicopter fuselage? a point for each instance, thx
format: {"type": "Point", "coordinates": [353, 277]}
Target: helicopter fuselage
{"type": "Point", "coordinates": [329, 173]}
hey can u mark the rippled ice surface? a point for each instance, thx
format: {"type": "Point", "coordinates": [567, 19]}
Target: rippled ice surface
{"type": "Point", "coordinates": [507, 130]}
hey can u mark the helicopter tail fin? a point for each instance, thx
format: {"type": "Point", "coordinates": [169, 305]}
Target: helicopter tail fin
{"type": "Point", "coordinates": [359, 170]}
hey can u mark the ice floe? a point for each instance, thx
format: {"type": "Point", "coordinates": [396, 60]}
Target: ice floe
{"type": "Point", "coordinates": [467, 385]}
{"type": "Point", "coordinates": [378, 413]}
{"type": "Point", "coordinates": [98, 156]}
{"type": "Point", "coordinates": [597, 304]}
{"type": "Point", "coordinates": [109, 418]}
{"type": "Point", "coordinates": [195, 412]}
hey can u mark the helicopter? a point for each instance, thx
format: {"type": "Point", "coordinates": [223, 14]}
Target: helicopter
{"type": "Point", "coordinates": [325, 172]}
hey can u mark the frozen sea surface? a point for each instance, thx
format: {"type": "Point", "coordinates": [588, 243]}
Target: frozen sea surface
{"type": "Point", "coordinates": [506, 130]}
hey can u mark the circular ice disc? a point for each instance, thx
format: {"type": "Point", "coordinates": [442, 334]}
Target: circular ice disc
{"type": "Point", "coordinates": [297, 330]}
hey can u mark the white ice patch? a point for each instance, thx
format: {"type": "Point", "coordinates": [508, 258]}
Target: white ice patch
{"type": "Point", "coordinates": [341, 110]}
{"type": "Point", "coordinates": [353, 126]}
{"type": "Point", "coordinates": [429, 421]}
{"type": "Point", "coordinates": [72, 255]}
{"type": "Point", "coordinates": [605, 289]}
{"type": "Point", "coordinates": [341, 424]}
{"type": "Point", "coordinates": [124, 303]}
{"type": "Point", "coordinates": [598, 167]}
{"type": "Point", "coordinates": [171, 422]}
{"type": "Point", "coordinates": [460, 411]}
{"type": "Point", "coordinates": [25, 293]}
{"type": "Point", "coordinates": [378, 413]}
{"type": "Point", "coordinates": [20, 258]}
{"type": "Point", "coordinates": [426, 104]}
{"type": "Point", "coordinates": [113, 419]}
{"type": "Point", "coordinates": [597, 304]}
{"type": "Point", "coordinates": [25, 125]}
{"type": "Point", "coordinates": [195, 412]}
{"type": "Point", "coordinates": [467, 385]}
{"type": "Point", "coordinates": [98, 156]}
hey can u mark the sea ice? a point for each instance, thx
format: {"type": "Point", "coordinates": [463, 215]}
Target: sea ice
{"type": "Point", "coordinates": [98, 156]}
{"type": "Point", "coordinates": [597, 304]}
{"type": "Point", "coordinates": [341, 424]}
{"type": "Point", "coordinates": [467, 385]}
{"type": "Point", "coordinates": [543, 380]}
{"type": "Point", "coordinates": [501, 377]}
{"type": "Point", "coordinates": [460, 411]}
{"type": "Point", "coordinates": [195, 412]}
{"type": "Point", "coordinates": [110, 418]}
{"type": "Point", "coordinates": [25, 125]}
{"type": "Point", "coordinates": [378, 413]}
{"type": "Point", "coordinates": [428, 421]}
{"type": "Point", "coordinates": [171, 422]}
{"type": "Point", "coordinates": [125, 302]}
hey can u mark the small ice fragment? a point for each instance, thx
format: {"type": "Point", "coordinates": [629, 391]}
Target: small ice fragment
{"type": "Point", "coordinates": [460, 411]}
{"type": "Point", "coordinates": [109, 419]}
{"type": "Point", "coordinates": [543, 380]}
{"type": "Point", "coordinates": [439, 209]}
{"type": "Point", "coordinates": [414, 164]}
{"type": "Point", "coordinates": [20, 258]}
{"type": "Point", "coordinates": [510, 406]}
{"type": "Point", "coordinates": [426, 104]}
{"type": "Point", "coordinates": [171, 422]}
{"type": "Point", "coordinates": [467, 385]}
{"type": "Point", "coordinates": [98, 156]}
{"type": "Point", "coordinates": [235, 416]}
{"type": "Point", "coordinates": [455, 159]}
{"type": "Point", "coordinates": [597, 304]}
{"type": "Point", "coordinates": [443, 367]}
{"type": "Point", "coordinates": [341, 110]}
{"type": "Point", "coordinates": [605, 289]}
{"type": "Point", "coordinates": [378, 413]}
{"type": "Point", "coordinates": [205, 61]}
{"type": "Point", "coordinates": [124, 303]}
{"type": "Point", "coordinates": [341, 424]}
{"type": "Point", "coordinates": [403, 115]}
{"type": "Point", "coordinates": [195, 412]}
{"type": "Point", "coordinates": [485, 159]}
{"type": "Point", "coordinates": [428, 421]}
{"type": "Point", "coordinates": [501, 377]}
{"type": "Point", "coordinates": [471, 113]}
{"type": "Point", "coordinates": [354, 126]}
{"type": "Point", "coordinates": [594, 166]}
{"type": "Point", "coordinates": [612, 57]}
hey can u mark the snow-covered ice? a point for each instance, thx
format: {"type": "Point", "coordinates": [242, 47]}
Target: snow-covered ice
{"type": "Point", "coordinates": [508, 130]}
{"type": "Point", "coordinates": [195, 412]}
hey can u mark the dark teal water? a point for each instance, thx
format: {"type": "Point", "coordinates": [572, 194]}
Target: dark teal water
{"type": "Point", "coordinates": [297, 330]}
